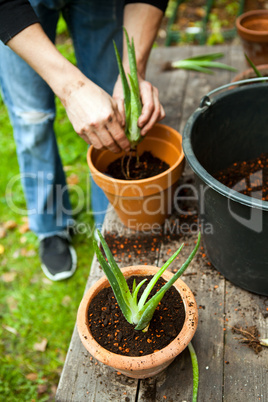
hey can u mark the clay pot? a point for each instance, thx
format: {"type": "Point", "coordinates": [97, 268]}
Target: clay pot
{"type": "Point", "coordinates": [252, 28]}
{"type": "Point", "coordinates": [145, 366]}
{"type": "Point", "coordinates": [250, 73]}
{"type": "Point", "coordinates": [140, 204]}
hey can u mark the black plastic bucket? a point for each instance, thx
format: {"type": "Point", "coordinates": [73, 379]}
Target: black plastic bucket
{"type": "Point", "coordinates": [231, 127]}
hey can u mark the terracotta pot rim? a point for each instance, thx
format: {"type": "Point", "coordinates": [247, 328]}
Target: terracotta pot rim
{"type": "Point", "coordinates": [93, 169]}
{"type": "Point", "coordinates": [244, 74]}
{"type": "Point", "coordinates": [139, 362]}
{"type": "Point", "coordinates": [245, 33]}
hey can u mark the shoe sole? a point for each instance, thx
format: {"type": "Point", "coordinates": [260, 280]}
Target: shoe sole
{"type": "Point", "coordinates": [65, 274]}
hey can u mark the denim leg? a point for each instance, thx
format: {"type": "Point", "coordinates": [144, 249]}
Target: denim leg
{"type": "Point", "coordinates": [93, 26]}
{"type": "Point", "coordinates": [30, 103]}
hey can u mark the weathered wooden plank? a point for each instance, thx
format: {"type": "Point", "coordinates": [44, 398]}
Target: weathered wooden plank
{"type": "Point", "coordinates": [85, 379]}
{"type": "Point", "coordinates": [170, 84]}
{"type": "Point", "coordinates": [245, 373]}
{"type": "Point", "coordinates": [207, 285]}
{"type": "Point", "coordinates": [82, 379]}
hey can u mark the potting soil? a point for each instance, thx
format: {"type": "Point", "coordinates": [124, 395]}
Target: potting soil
{"type": "Point", "coordinates": [247, 177]}
{"type": "Point", "coordinates": [111, 330]}
{"type": "Point", "coordinates": [148, 166]}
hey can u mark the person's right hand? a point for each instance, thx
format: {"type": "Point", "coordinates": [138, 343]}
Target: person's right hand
{"type": "Point", "coordinates": [95, 116]}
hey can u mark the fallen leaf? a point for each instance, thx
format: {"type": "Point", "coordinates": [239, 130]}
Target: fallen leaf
{"type": "Point", "coordinates": [72, 179]}
{"type": "Point", "coordinates": [8, 276]}
{"type": "Point", "coordinates": [10, 225]}
{"type": "Point", "coordinates": [16, 254]}
{"type": "Point", "coordinates": [2, 249]}
{"type": "Point", "coordinates": [10, 329]}
{"type": "Point", "coordinates": [67, 168]}
{"type": "Point", "coordinates": [27, 253]}
{"type": "Point", "coordinates": [66, 301]}
{"type": "Point", "coordinates": [46, 281]}
{"type": "Point", "coordinates": [23, 239]}
{"type": "Point", "coordinates": [3, 232]}
{"type": "Point", "coordinates": [32, 376]}
{"type": "Point", "coordinates": [41, 347]}
{"type": "Point", "coordinates": [41, 388]}
{"type": "Point", "coordinates": [24, 228]}
{"type": "Point", "coordinates": [12, 303]}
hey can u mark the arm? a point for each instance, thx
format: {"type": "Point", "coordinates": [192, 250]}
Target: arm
{"type": "Point", "coordinates": [142, 22]}
{"type": "Point", "coordinates": [92, 112]}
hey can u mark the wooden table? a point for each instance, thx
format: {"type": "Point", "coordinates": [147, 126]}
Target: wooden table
{"type": "Point", "coordinates": [229, 370]}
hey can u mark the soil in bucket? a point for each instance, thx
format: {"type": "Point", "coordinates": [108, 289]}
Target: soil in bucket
{"type": "Point", "coordinates": [247, 177]}
{"type": "Point", "coordinates": [111, 330]}
{"type": "Point", "coordinates": [131, 168]}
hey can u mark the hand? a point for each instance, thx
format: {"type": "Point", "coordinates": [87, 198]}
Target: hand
{"type": "Point", "coordinates": [152, 110]}
{"type": "Point", "coordinates": [95, 116]}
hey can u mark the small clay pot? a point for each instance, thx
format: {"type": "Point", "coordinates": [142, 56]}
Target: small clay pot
{"type": "Point", "coordinates": [140, 204]}
{"type": "Point", "coordinates": [142, 366]}
{"type": "Point", "coordinates": [252, 28]}
{"type": "Point", "coordinates": [250, 73]}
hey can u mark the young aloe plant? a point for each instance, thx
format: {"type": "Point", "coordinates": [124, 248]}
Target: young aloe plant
{"type": "Point", "coordinates": [255, 69]}
{"type": "Point", "coordinates": [137, 312]}
{"type": "Point", "coordinates": [202, 63]}
{"type": "Point", "coordinates": [131, 93]}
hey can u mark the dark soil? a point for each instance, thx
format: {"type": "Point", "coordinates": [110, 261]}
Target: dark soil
{"type": "Point", "coordinates": [249, 336]}
{"type": "Point", "coordinates": [111, 330]}
{"type": "Point", "coordinates": [148, 166]}
{"type": "Point", "coordinates": [247, 177]}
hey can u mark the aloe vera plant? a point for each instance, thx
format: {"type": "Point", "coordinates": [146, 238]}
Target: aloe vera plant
{"type": "Point", "coordinates": [255, 69]}
{"type": "Point", "coordinates": [137, 312]}
{"type": "Point", "coordinates": [202, 63]}
{"type": "Point", "coordinates": [132, 101]}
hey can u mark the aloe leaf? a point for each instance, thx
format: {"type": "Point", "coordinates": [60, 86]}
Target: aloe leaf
{"type": "Point", "coordinates": [189, 65]}
{"type": "Point", "coordinates": [148, 309]}
{"type": "Point", "coordinates": [209, 56]}
{"type": "Point", "coordinates": [195, 371]}
{"type": "Point", "coordinates": [134, 130]}
{"type": "Point", "coordinates": [132, 61]}
{"type": "Point", "coordinates": [214, 64]}
{"type": "Point", "coordinates": [116, 271]}
{"type": "Point", "coordinates": [255, 69]}
{"type": "Point", "coordinates": [135, 293]}
{"type": "Point", "coordinates": [126, 89]}
{"type": "Point", "coordinates": [133, 286]}
{"type": "Point", "coordinates": [114, 284]}
{"type": "Point", "coordinates": [155, 278]}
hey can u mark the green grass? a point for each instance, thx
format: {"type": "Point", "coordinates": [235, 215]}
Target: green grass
{"type": "Point", "coordinates": [32, 308]}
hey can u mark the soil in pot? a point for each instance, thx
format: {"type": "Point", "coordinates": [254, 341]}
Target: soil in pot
{"type": "Point", "coordinates": [247, 177]}
{"type": "Point", "coordinates": [128, 168]}
{"type": "Point", "coordinates": [111, 330]}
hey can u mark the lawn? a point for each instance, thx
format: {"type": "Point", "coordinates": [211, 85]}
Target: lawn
{"type": "Point", "coordinates": [37, 315]}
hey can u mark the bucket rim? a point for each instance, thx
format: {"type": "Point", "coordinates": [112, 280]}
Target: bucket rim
{"type": "Point", "coordinates": [202, 173]}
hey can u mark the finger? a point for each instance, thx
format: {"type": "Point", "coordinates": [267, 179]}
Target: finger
{"type": "Point", "coordinates": [147, 98]}
{"type": "Point", "coordinates": [91, 138]}
{"type": "Point", "coordinates": [118, 134]}
{"type": "Point", "coordinates": [156, 115]}
{"type": "Point", "coordinates": [107, 139]}
{"type": "Point", "coordinates": [120, 111]}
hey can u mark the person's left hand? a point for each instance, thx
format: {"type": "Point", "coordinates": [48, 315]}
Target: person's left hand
{"type": "Point", "coordinates": [152, 110]}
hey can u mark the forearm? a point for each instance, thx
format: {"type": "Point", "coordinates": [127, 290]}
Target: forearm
{"type": "Point", "coordinates": [33, 45]}
{"type": "Point", "coordinates": [142, 22]}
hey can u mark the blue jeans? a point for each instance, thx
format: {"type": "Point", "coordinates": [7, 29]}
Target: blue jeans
{"type": "Point", "coordinates": [93, 26]}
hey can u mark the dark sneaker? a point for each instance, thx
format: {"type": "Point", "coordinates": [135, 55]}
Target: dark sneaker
{"type": "Point", "coordinates": [58, 258]}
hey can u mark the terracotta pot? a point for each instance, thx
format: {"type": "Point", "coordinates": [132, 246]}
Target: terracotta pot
{"type": "Point", "coordinates": [252, 27]}
{"type": "Point", "coordinates": [145, 366]}
{"type": "Point", "coordinates": [140, 204]}
{"type": "Point", "coordinates": [250, 73]}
